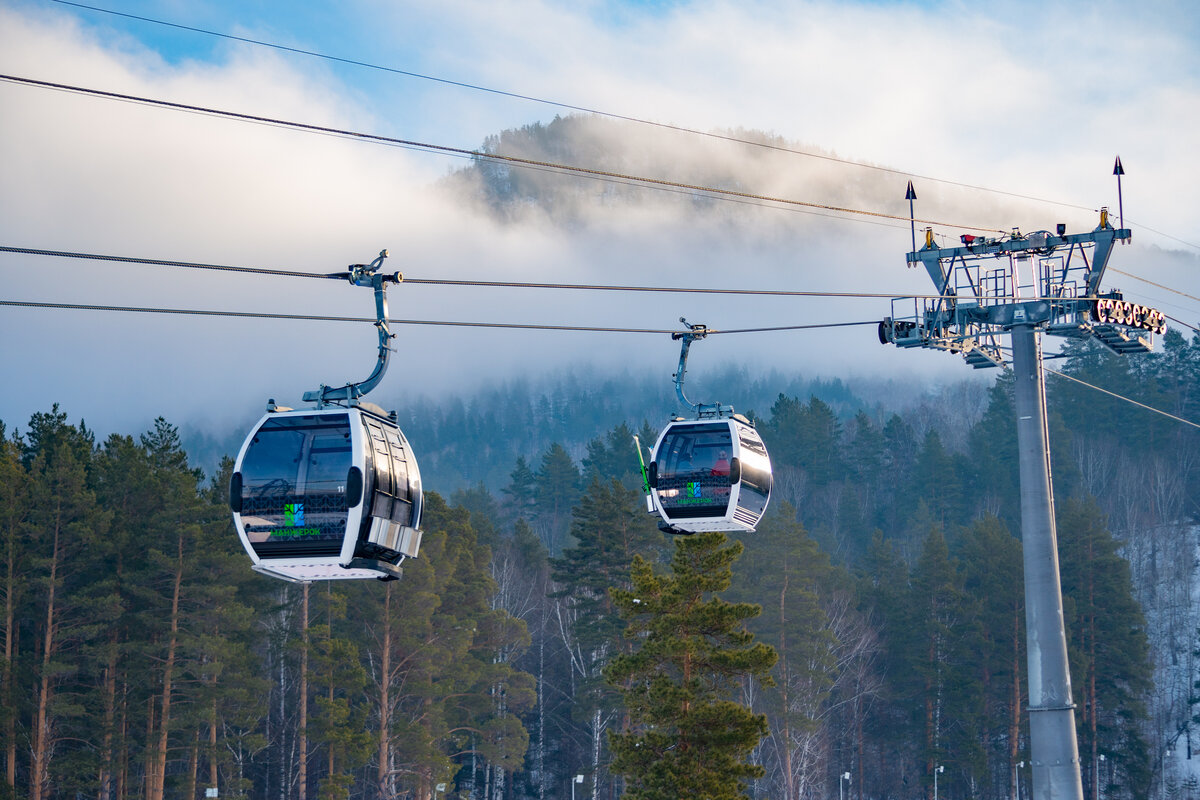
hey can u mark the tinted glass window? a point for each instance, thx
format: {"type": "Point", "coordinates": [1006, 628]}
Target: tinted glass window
{"type": "Point", "coordinates": [272, 462]}
{"type": "Point", "coordinates": [328, 462]}
{"type": "Point", "coordinates": [756, 488]}
{"type": "Point", "coordinates": [693, 471]}
{"type": "Point", "coordinates": [756, 472]}
{"type": "Point", "coordinates": [294, 481]}
{"type": "Point", "coordinates": [391, 500]}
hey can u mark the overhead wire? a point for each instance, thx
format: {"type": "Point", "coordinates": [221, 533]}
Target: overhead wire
{"type": "Point", "coordinates": [274, 272]}
{"type": "Point", "coordinates": [566, 106]}
{"type": "Point", "coordinates": [456, 323]}
{"type": "Point", "coordinates": [535, 164]}
{"type": "Point", "coordinates": [443, 323]}
{"type": "Point", "coordinates": [664, 289]}
{"type": "Point", "coordinates": [1058, 374]}
{"type": "Point", "coordinates": [639, 180]}
{"type": "Point", "coordinates": [1178, 321]}
{"type": "Point", "coordinates": [689, 193]}
{"type": "Point", "coordinates": [163, 262]}
{"type": "Point", "coordinates": [475, 283]}
{"type": "Point", "coordinates": [1152, 283]}
{"type": "Point", "coordinates": [504, 325]}
{"type": "Point", "coordinates": [716, 192]}
{"type": "Point", "coordinates": [601, 113]}
{"type": "Point", "coordinates": [315, 317]}
{"type": "Point", "coordinates": [1164, 235]}
{"type": "Point", "coordinates": [727, 195]}
{"type": "Point", "coordinates": [1174, 319]}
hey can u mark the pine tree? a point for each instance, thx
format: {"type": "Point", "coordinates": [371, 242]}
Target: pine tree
{"type": "Point", "coordinates": [807, 436]}
{"type": "Point", "coordinates": [821, 442]}
{"type": "Point", "coordinates": [613, 456]}
{"type": "Point", "coordinates": [556, 489]}
{"type": "Point", "coordinates": [993, 577]}
{"type": "Point", "coordinates": [450, 700]}
{"type": "Point", "coordinates": [782, 433]}
{"type": "Point", "coordinates": [485, 694]}
{"type": "Point", "coordinates": [227, 691]}
{"type": "Point", "coordinates": [853, 529]}
{"type": "Point", "coordinates": [688, 737]}
{"type": "Point", "coordinates": [169, 581]}
{"type": "Point", "coordinates": [520, 492]}
{"type": "Point", "coordinates": [14, 557]}
{"type": "Point", "coordinates": [899, 454]}
{"type": "Point", "coordinates": [123, 484]}
{"type": "Point", "coordinates": [609, 529]}
{"type": "Point", "coordinates": [484, 510]}
{"type": "Point", "coordinates": [339, 680]}
{"type": "Point", "coordinates": [67, 523]}
{"type": "Point", "coordinates": [785, 569]}
{"type": "Point", "coordinates": [886, 596]}
{"type": "Point", "coordinates": [938, 478]}
{"type": "Point", "coordinates": [865, 455]}
{"type": "Point", "coordinates": [420, 637]}
{"type": "Point", "coordinates": [942, 647]}
{"type": "Point", "coordinates": [523, 574]}
{"type": "Point", "coordinates": [1110, 667]}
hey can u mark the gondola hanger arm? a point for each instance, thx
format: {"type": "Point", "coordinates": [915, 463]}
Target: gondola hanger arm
{"type": "Point", "coordinates": [692, 334]}
{"type": "Point", "coordinates": [365, 275]}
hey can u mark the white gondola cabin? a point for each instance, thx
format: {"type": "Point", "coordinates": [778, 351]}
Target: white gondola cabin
{"type": "Point", "coordinates": [332, 492]}
{"type": "Point", "coordinates": [710, 475]}
{"type": "Point", "coordinates": [327, 494]}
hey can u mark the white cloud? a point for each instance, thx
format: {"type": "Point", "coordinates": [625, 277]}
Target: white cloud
{"type": "Point", "coordinates": [1029, 105]}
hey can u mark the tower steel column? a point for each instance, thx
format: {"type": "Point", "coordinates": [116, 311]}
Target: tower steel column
{"type": "Point", "coordinates": [1054, 749]}
{"type": "Point", "coordinates": [1023, 287]}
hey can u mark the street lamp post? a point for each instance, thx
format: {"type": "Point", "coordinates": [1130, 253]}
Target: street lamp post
{"type": "Point", "coordinates": [936, 770]}
{"type": "Point", "coordinates": [575, 780]}
{"type": "Point", "coordinates": [1017, 777]}
{"type": "Point", "coordinates": [842, 779]}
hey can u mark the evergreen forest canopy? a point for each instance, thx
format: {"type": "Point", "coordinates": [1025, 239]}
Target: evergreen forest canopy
{"type": "Point", "coordinates": [532, 640]}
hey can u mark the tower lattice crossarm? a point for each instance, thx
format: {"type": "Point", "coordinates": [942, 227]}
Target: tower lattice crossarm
{"type": "Point", "coordinates": [1050, 280]}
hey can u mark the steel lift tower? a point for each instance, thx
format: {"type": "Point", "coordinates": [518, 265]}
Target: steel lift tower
{"type": "Point", "coordinates": [1026, 286]}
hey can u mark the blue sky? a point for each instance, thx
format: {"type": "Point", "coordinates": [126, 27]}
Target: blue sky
{"type": "Point", "coordinates": [1032, 99]}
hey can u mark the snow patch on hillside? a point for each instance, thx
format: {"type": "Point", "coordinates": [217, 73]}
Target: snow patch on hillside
{"type": "Point", "coordinates": [1165, 563]}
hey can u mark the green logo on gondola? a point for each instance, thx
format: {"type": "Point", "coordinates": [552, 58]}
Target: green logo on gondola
{"type": "Point", "coordinates": [293, 514]}
{"type": "Point", "coordinates": [693, 489]}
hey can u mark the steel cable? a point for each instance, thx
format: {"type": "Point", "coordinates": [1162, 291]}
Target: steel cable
{"type": "Point", "coordinates": [370, 137]}
{"type": "Point", "coordinates": [444, 323]}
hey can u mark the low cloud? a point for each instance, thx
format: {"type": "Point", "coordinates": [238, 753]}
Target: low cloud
{"type": "Point", "coordinates": [1004, 103]}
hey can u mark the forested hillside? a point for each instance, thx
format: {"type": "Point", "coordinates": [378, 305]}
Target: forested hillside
{"type": "Point", "coordinates": [144, 659]}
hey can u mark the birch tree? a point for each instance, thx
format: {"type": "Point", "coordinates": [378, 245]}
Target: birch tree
{"type": "Point", "coordinates": [609, 531]}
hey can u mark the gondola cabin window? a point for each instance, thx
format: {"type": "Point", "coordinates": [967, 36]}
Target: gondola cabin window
{"type": "Point", "coordinates": [690, 478]}
{"type": "Point", "coordinates": [294, 481]}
